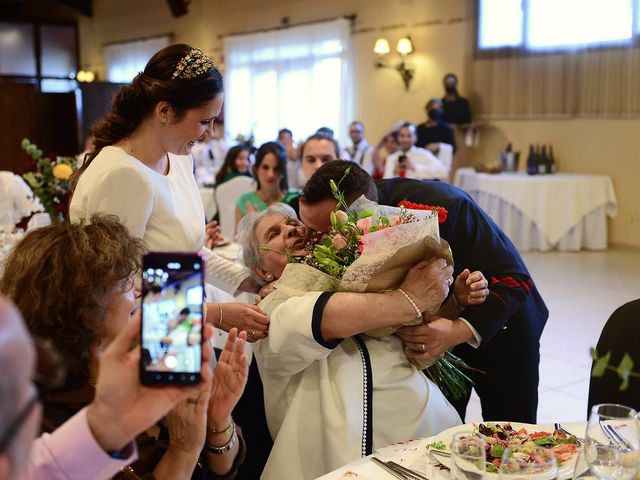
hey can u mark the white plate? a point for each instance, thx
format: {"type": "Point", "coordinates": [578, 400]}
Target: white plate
{"type": "Point", "coordinates": [565, 470]}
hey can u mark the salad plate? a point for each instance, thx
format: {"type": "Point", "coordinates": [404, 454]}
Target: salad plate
{"type": "Point", "coordinates": [517, 434]}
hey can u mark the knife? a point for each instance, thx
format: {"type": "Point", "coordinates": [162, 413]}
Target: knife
{"type": "Point", "coordinates": [390, 470]}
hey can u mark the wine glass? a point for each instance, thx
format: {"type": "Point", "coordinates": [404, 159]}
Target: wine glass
{"type": "Point", "coordinates": [612, 442]}
{"type": "Point", "coordinates": [529, 463]}
{"type": "Point", "coordinates": [468, 457]}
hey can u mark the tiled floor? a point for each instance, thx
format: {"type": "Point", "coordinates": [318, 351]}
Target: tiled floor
{"type": "Point", "coordinates": [581, 291]}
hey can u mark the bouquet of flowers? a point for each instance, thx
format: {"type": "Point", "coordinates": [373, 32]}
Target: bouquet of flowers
{"type": "Point", "coordinates": [49, 180]}
{"type": "Point", "coordinates": [369, 248]}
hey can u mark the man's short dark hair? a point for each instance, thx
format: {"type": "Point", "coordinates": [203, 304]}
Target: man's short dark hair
{"type": "Point", "coordinates": [321, 136]}
{"type": "Point", "coordinates": [357, 182]}
{"type": "Point", "coordinates": [283, 131]}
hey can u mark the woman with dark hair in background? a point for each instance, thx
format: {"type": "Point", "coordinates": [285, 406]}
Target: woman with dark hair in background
{"type": "Point", "coordinates": [270, 172]}
{"type": "Point", "coordinates": [142, 170]}
{"type": "Point", "coordinates": [236, 163]}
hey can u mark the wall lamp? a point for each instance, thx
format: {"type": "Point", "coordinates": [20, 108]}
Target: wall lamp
{"type": "Point", "coordinates": [404, 48]}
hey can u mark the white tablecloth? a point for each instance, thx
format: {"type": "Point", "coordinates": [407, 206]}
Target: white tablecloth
{"type": "Point", "coordinates": [413, 454]}
{"type": "Point", "coordinates": [543, 212]}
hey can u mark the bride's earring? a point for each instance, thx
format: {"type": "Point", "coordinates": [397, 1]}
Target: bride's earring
{"type": "Point", "coordinates": [268, 277]}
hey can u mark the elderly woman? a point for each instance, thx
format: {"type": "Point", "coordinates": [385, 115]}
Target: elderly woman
{"type": "Point", "coordinates": [73, 283]}
{"type": "Point", "coordinates": [332, 394]}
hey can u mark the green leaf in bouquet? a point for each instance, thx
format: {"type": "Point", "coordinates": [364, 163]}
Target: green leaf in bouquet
{"type": "Point", "coordinates": [31, 179]}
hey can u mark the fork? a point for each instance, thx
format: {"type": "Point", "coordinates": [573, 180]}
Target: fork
{"type": "Point", "coordinates": [558, 426]}
{"type": "Point", "coordinates": [614, 437]}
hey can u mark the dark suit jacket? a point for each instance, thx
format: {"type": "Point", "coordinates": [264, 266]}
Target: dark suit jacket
{"type": "Point", "coordinates": [478, 243]}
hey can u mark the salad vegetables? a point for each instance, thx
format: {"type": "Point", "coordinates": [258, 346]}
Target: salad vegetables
{"type": "Point", "coordinates": [500, 436]}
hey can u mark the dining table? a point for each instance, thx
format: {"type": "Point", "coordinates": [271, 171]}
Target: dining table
{"type": "Point", "coordinates": [561, 211]}
{"type": "Point", "coordinates": [415, 455]}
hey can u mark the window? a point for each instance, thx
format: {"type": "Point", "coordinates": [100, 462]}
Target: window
{"type": "Point", "coordinates": [537, 25]}
{"type": "Point", "coordinates": [298, 78]}
{"type": "Point", "coordinates": [52, 66]}
{"type": "Point", "coordinates": [124, 60]}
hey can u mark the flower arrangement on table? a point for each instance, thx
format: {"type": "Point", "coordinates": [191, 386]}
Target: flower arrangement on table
{"type": "Point", "coordinates": [370, 248]}
{"type": "Point", "coordinates": [49, 180]}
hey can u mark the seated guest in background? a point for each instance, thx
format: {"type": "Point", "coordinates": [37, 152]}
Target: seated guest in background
{"type": "Point", "coordinates": [507, 325]}
{"type": "Point", "coordinates": [285, 137]}
{"type": "Point", "coordinates": [74, 284]}
{"type": "Point", "coordinates": [434, 131]}
{"type": "Point", "coordinates": [96, 442]}
{"type": "Point", "coordinates": [270, 172]}
{"type": "Point", "coordinates": [209, 154]}
{"type": "Point", "coordinates": [455, 109]}
{"type": "Point", "coordinates": [17, 201]}
{"type": "Point", "coordinates": [236, 163]}
{"type": "Point", "coordinates": [413, 162]}
{"type": "Point", "coordinates": [360, 151]}
{"type": "Point", "coordinates": [317, 150]}
{"type": "Point", "coordinates": [619, 337]}
{"type": "Point", "coordinates": [332, 395]}
{"type": "Point", "coordinates": [387, 145]}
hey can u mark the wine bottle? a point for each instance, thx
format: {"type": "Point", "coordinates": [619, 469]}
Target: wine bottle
{"type": "Point", "coordinates": [541, 154]}
{"type": "Point", "coordinates": [552, 160]}
{"type": "Point", "coordinates": [532, 165]}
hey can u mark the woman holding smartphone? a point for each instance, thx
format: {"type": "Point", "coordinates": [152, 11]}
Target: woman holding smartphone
{"type": "Point", "coordinates": [73, 283]}
{"type": "Point", "coordinates": [141, 169]}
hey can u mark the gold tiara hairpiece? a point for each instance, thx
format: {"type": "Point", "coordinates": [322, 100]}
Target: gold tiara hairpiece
{"type": "Point", "coordinates": [192, 65]}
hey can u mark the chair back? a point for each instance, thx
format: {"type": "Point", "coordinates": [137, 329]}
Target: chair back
{"type": "Point", "coordinates": [619, 337]}
{"type": "Point", "coordinates": [227, 195]}
{"type": "Point", "coordinates": [445, 154]}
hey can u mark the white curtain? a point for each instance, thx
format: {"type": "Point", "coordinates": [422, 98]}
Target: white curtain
{"type": "Point", "coordinates": [298, 78]}
{"type": "Point", "coordinates": [124, 60]}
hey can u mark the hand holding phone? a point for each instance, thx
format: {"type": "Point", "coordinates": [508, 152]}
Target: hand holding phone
{"type": "Point", "coordinates": [172, 318]}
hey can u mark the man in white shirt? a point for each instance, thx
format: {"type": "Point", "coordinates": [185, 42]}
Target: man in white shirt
{"type": "Point", "coordinates": [209, 155]}
{"type": "Point", "coordinates": [360, 151]}
{"type": "Point", "coordinates": [414, 162]}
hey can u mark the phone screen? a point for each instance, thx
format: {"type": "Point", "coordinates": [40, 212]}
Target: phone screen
{"type": "Point", "coordinates": [172, 318]}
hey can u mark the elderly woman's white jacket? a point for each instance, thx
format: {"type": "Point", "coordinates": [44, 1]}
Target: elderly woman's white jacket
{"type": "Point", "coordinates": [329, 403]}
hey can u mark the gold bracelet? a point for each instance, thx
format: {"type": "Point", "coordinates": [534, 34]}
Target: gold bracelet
{"type": "Point", "coordinates": [222, 432]}
{"type": "Point", "coordinates": [220, 321]}
{"type": "Point", "coordinates": [413, 304]}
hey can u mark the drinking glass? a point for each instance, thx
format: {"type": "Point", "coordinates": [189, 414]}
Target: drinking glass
{"type": "Point", "coordinates": [468, 457]}
{"type": "Point", "coordinates": [528, 463]}
{"type": "Point", "coordinates": [612, 442]}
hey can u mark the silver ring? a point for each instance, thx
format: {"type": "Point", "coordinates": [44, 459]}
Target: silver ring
{"type": "Point", "coordinates": [252, 332]}
{"type": "Point", "coordinates": [424, 349]}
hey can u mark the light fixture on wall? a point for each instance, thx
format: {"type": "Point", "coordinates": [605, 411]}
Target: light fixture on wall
{"type": "Point", "coordinates": [85, 76]}
{"type": "Point", "coordinates": [404, 47]}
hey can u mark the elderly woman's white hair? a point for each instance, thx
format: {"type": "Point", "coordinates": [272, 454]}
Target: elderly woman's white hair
{"type": "Point", "coordinates": [247, 232]}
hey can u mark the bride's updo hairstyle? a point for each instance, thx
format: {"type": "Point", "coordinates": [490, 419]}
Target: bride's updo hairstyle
{"type": "Point", "coordinates": [179, 74]}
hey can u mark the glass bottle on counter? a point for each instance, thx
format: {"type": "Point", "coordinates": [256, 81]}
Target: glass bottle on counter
{"type": "Point", "coordinates": [552, 160]}
{"type": "Point", "coordinates": [542, 159]}
{"type": "Point", "coordinates": [532, 161]}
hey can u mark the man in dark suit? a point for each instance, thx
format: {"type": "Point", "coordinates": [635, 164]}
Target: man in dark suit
{"type": "Point", "coordinates": [501, 337]}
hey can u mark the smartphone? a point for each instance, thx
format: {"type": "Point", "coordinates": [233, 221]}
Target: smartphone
{"type": "Point", "coordinates": [172, 318]}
